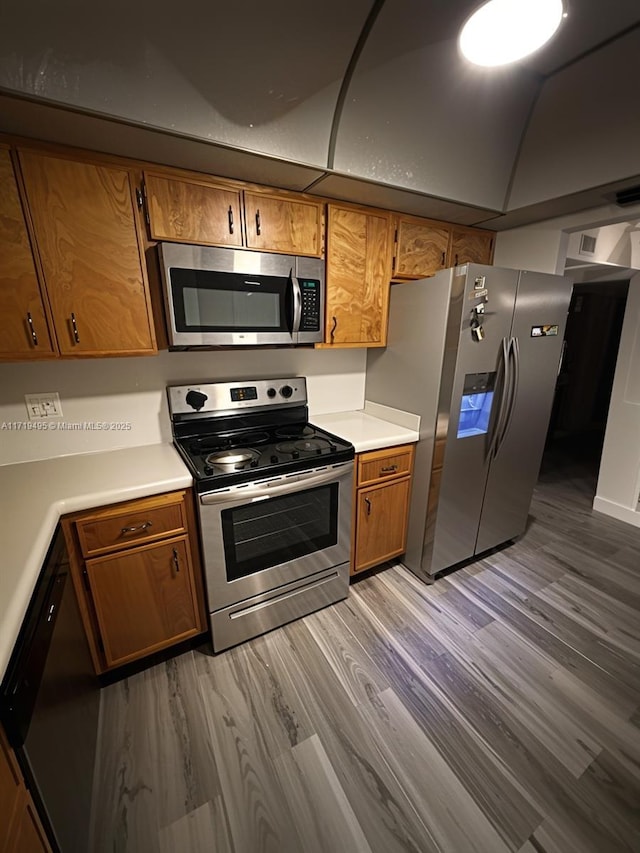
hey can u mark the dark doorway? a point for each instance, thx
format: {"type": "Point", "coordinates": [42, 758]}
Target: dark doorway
{"type": "Point", "coordinates": [583, 390]}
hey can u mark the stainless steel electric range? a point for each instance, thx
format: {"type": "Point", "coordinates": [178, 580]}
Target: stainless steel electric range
{"type": "Point", "coordinates": [274, 501]}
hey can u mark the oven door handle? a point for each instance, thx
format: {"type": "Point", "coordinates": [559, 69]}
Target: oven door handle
{"type": "Point", "coordinates": [272, 489]}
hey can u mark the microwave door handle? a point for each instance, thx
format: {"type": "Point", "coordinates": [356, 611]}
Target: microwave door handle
{"type": "Point", "coordinates": [271, 490]}
{"type": "Point", "coordinates": [297, 304]}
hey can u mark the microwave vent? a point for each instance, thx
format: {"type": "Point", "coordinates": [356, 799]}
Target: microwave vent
{"type": "Point", "coordinates": [587, 244]}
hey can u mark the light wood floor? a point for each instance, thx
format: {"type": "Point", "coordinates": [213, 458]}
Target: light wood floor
{"type": "Point", "coordinates": [496, 710]}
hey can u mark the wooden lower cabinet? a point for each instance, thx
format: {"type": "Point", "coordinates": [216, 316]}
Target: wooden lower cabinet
{"type": "Point", "coordinates": [20, 827]}
{"type": "Point", "coordinates": [144, 599]}
{"type": "Point", "coordinates": [382, 492]}
{"type": "Point", "coordinates": [136, 571]}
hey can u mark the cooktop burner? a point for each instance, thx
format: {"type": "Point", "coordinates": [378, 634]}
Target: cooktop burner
{"type": "Point", "coordinates": [243, 431]}
{"type": "Point", "coordinates": [303, 431]}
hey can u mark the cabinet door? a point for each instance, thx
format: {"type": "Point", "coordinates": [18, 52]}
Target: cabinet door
{"type": "Point", "coordinates": [28, 835]}
{"type": "Point", "coordinates": [421, 248]}
{"type": "Point", "coordinates": [86, 233]}
{"type": "Point", "coordinates": [358, 276]}
{"type": "Point", "coordinates": [144, 599]}
{"type": "Point", "coordinates": [278, 224]}
{"type": "Point", "coordinates": [10, 791]}
{"type": "Point", "coordinates": [381, 523]}
{"type": "Point", "coordinates": [24, 330]}
{"type": "Point", "coordinates": [191, 211]}
{"type": "Point", "coordinates": [470, 246]}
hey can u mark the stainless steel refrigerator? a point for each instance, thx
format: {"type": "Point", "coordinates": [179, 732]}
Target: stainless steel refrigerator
{"type": "Point", "coordinates": [475, 351]}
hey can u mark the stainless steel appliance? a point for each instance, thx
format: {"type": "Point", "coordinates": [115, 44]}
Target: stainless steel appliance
{"type": "Point", "coordinates": [475, 352]}
{"type": "Point", "coordinates": [274, 501]}
{"type": "Point", "coordinates": [50, 701]}
{"type": "Point", "coordinates": [232, 297]}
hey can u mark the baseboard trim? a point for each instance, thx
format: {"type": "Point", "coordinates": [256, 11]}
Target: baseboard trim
{"type": "Point", "coordinates": [622, 513]}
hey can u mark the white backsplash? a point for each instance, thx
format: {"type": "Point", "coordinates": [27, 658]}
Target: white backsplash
{"type": "Point", "coordinates": [132, 391]}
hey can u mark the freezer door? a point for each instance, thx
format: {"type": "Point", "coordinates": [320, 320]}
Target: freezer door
{"type": "Point", "coordinates": [472, 369]}
{"type": "Point", "coordinates": [539, 319]}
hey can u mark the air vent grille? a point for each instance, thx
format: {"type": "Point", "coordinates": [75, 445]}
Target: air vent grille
{"type": "Point", "coordinates": [587, 244]}
{"type": "Point", "coordinates": [628, 196]}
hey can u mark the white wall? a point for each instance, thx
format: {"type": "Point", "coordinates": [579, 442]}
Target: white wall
{"type": "Point", "coordinates": [619, 481]}
{"type": "Point", "coordinates": [132, 391]}
{"type": "Point", "coordinates": [543, 247]}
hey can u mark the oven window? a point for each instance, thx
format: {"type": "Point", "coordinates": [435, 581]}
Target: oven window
{"type": "Point", "coordinates": [266, 533]}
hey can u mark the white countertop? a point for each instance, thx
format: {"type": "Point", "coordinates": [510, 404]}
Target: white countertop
{"type": "Point", "coordinates": [35, 494]}
{"type": "Point", "coordinates": [371, 428]}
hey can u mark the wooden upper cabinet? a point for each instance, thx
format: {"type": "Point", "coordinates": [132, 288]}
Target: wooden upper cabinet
{"type": "Point", "coordinates": [192, 211]}
{"type": "Point", "coordinates": [471, 246]}
{"type": "Point", "coordinates": [24, 328]}
{"type": "Point", "coordinates": [358, 275]}
{"type": "Point", "coordinates": [86, 231]}
{"type": "Point", "coordinates": [421, 247]}
{"type": "Point", "coordinates": [278, 223]}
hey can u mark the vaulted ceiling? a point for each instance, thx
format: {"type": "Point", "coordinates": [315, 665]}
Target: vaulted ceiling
{"type": "Point", "coordinates": [359, 100]}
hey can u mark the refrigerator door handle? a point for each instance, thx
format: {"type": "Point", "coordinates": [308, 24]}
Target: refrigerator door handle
{"type": "Point", "coordinates": [513, 358]}
{"type": "Point", "coordinates": [502, 378]}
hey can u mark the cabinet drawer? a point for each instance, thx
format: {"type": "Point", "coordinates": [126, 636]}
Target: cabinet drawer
{"type": "Point", "coordinates": [133, 523]}
{"type": "Point", "coordinates": [380, 465]}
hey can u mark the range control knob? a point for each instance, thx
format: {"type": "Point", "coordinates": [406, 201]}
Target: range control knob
{"type": "Point", "coordinates": [271, 392]}
{"type": "Point", "coordinates": [274, 459]}
{"type": "Point", "coordinates": [195, 399]}
{"type": "Point", "coordinates": [286, 391]}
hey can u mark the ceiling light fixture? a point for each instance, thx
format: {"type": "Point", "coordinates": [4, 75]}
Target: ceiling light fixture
{"type": "Point", "coordinates": [503, 31]}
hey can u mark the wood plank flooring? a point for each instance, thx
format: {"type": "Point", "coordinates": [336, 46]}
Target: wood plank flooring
{"type": "Point", "coordinates": [495, 710]}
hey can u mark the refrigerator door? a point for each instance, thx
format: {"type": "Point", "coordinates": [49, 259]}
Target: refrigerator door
{"type": "Point", "coordinates": [471, 388]}
{"type": "Point", "coordinates": [539, 319]}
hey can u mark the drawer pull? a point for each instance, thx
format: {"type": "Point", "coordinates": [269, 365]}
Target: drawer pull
{"type": "Point", "coordinates": [137, 528]}
{"type": "Point", "coordinates": [389, 469]}
{"type": "Point", "coordinates": [368, 503]}
{"type": "Point", "coordinates": [176, 561]}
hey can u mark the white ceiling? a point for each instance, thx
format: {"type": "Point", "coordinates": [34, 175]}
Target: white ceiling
{"type": "Point", "coordinates": [367, 101]}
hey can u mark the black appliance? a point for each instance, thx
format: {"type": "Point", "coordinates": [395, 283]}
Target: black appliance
{"type": "Point", "coordinates": [50, 703]}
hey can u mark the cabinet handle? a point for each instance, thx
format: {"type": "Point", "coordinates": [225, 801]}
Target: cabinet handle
{"type": "Point", "coordinates": [389, 469]}
{"type": "Point", "coordinates": [230, 220]}
{"type": "Point", "coordinates": [34, 337]}
{"type": "Point", "coordinates": [444, 259]}
{"type": "Point", "coordinates": [334, 327]}
{"type": "Point", "coordinates": [76, 336]}
{"type": "Point", "coordinates": [456, 261]}
{"type": "Point", "coordinates": [368, 503]}
{"type": "Point", "coordinates": [176, 562]}
{"type": "Point", "coordinates": [136, 528]}
{"type": "Point", "coordinates": [258, 222]}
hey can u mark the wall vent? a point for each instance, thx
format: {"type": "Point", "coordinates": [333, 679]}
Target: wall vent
{"type": "Point", "coordinates": [587, 244]}
{"type": "Point", "coordinates": [629, 196]}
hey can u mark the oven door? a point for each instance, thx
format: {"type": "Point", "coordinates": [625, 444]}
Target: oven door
{"type": "Point", "coordinates": [263, 535]}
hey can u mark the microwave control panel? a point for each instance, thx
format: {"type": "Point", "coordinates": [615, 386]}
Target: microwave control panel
{"type": "Point", "coordinates": [310, 292]}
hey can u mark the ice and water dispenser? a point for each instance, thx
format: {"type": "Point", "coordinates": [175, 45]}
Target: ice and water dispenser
{"type": "Point", "coordinates": [475, 408]}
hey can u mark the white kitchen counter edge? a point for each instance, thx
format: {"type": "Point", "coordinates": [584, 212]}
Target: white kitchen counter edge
{"type": "Point", "coordinates": [36, 494]}
{"type": "Point", "coordinates": [366, 429]}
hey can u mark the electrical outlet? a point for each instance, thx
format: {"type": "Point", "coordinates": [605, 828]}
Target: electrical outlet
{"type": "Point", "coordinates": [40, 406]}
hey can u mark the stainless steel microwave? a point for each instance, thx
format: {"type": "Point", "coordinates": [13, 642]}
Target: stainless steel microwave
{"type": "Point", "coordinates": [232, 297]}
